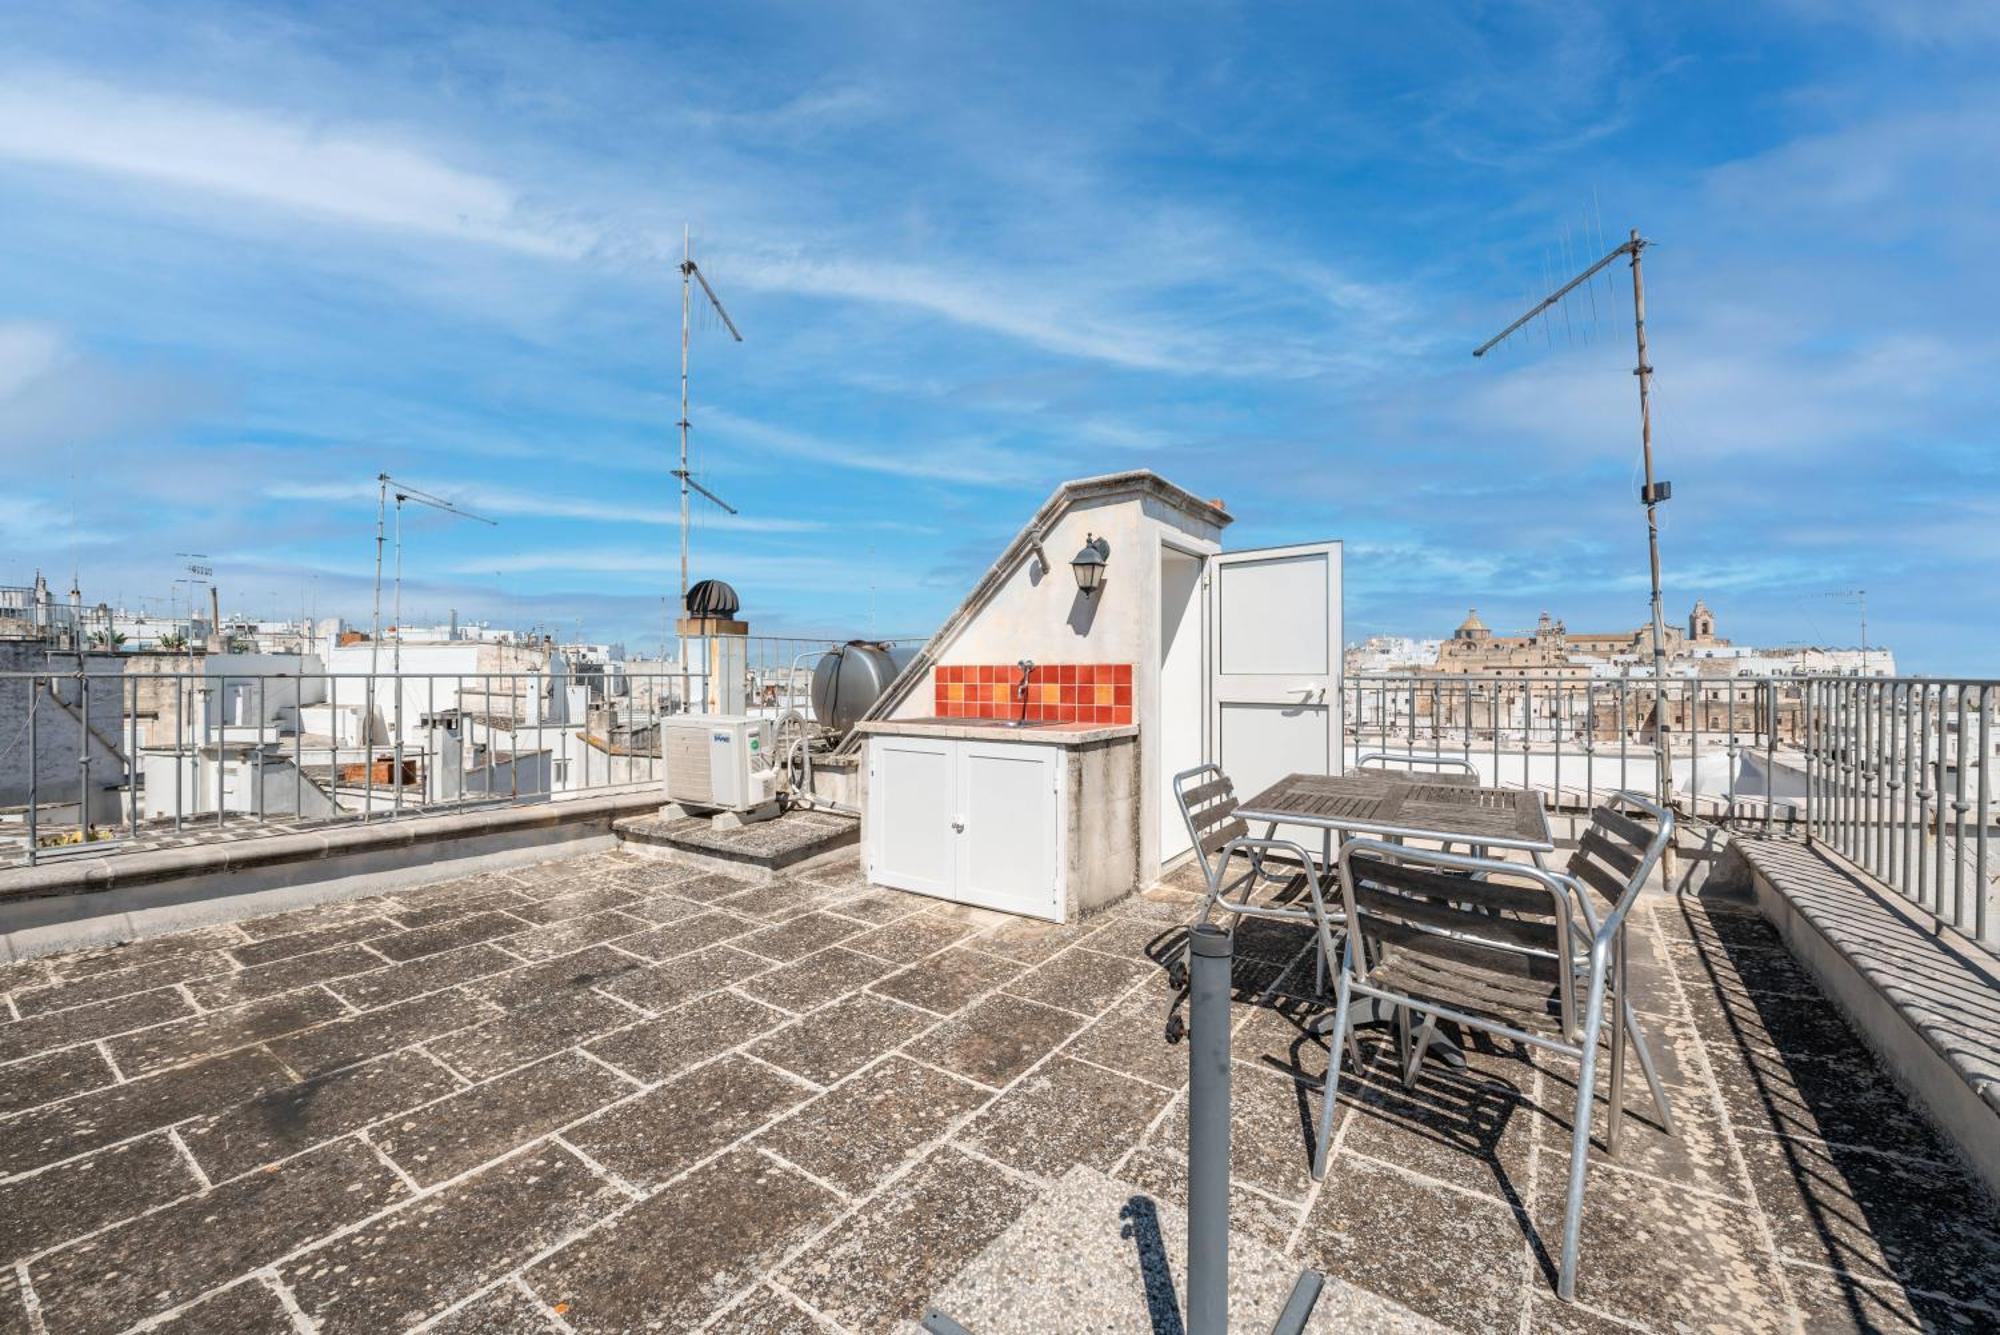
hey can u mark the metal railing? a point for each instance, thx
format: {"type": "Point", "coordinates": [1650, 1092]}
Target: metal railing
{"type": "Point", "coordinates": [1890, 772]}
{"type": "Point", "coordinates": [114, 751]}
{"type": "Point", "coordinates": [92, 756]}
{"type": "Point", "coordinates": [1897, 771]}
{"type": "Point", "coordinates": [1729, 744]}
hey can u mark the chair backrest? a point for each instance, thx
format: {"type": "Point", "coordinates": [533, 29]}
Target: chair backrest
{"type": "Point", "coordinates": [1392, 761]}
{"type": "Point", "coordinates": [1616, 854]}
{"type": "Point", "coordinates": [1208, 805]}
{"type": "Point", "coordinates": [1427, 901]}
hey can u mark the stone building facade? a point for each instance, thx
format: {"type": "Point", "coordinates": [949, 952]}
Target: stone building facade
{"type": "Point", "coordinates": [1553, 651]}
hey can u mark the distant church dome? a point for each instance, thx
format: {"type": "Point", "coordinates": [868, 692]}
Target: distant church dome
{"type": "Point", "coordinates": [1472, 628]}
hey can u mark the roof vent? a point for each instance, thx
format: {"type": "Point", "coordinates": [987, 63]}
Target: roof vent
{"type": "Point", "coordinates": [711, 598]}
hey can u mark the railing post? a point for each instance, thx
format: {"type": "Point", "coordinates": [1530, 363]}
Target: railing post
{"type": "Point", "coordinates": [1959, 806]}
{"type": "Point", "coordinates": [82, 749]}
{"type": "Point", "coordinates": [132, 760]}
{"type": "Point", "coordinates": [34, 773]}
{"type": "Point", "coordinates": [1982, 920]}
{"type": "Point", "coordinates": [1770, 703]}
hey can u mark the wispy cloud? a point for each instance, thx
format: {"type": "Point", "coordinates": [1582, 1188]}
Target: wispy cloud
{"type": "Point", "coordinates": [962, 460]}
{"type": "Point", "coordinates": [348, 174]}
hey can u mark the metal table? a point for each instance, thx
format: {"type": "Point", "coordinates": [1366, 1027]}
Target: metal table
{"type": "Point", "coordinates": [1449, 808]}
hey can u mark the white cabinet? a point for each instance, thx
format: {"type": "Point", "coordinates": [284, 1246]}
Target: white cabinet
{"type": "Point", "coordinates": [979, 822]}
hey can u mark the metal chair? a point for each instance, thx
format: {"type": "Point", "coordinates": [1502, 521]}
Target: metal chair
{"type": "Point", "coordinates": [1416, 761]}
{"type": "Point", "coordinates": [1208, 804]}
{"type": "Point", "coordinates": [1523, 952]}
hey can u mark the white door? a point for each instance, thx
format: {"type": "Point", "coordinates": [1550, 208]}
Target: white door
{"type": "Point", "coordinates": [915, 778]}
{"type": "Point", "coordinates": [1009, 837]}
{"type": "Point", "coordinates": [1275, 616]}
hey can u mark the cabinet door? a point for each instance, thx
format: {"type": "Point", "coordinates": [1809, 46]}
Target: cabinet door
{"type": "Point", "coordinates": [912, 803]}
{"type": "Point", "coordinates": [1010, 834]}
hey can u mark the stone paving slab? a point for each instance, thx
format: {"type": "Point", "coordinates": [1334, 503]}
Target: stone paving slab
{"type": "Point", "coordinates": [579, 1096]}
{"type": "Point", "coordinates": [1102, 1255]}
{"type": "Point", "coordinates": [178, 1254]}
{"type": "Point", "coordinates": [410, 1263]}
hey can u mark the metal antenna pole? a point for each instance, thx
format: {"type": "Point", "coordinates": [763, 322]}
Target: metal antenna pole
{"type": "Point", "coordinates": [690, 275]}
{"type": "Point", "coordinates": [1861, 596]}
{"type": "Point", "coordinates": [687, 295]}
{"type": "Point", "coordinates": [1652, 497]}
{"type": "Point", "coordinates": [375, 627]}
{"type": "Point", "coordinates": [1654, 492]}
{"type": "Point", "coordinates": [396, 657]}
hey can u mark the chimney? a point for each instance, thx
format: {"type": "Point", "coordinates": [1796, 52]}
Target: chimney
{"type": "Point", "coordinates": [216, 644]}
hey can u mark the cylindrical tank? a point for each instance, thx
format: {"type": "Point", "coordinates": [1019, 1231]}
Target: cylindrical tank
{"type": "Point", "coordinates": [852, 677]}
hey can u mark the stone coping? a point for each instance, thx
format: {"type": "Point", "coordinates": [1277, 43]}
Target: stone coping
{"type": "Point", "coordinates": [1929, 980]}
{"type": "Point", "coordinates": [75, 876]}
{"type": "Point", "coordinates": [979, 730]}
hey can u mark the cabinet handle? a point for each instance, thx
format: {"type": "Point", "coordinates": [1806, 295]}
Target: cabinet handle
{"type": "Point", "coordinates": [959, 825]}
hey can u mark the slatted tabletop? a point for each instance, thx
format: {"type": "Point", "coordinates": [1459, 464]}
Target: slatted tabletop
{"type": "Point", "coordinates": [1452, 808]}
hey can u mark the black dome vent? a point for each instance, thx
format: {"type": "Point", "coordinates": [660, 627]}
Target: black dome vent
{"type": "Point", "coordinates": [712, 598]}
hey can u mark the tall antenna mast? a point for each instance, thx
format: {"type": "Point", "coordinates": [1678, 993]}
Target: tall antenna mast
{"type": "Point", "coordinates": [405, 493]}
{"type": "Point", "coordinates": [1859, 597]}
{"type": "Point", "coordinates": [690, 275]}
{"type": "Point", "coordinates": [1653, 492]}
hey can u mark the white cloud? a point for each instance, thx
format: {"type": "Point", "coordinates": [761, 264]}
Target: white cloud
{"type": "Point", "coordinates": [359, 177]}
{"type": "Point", "coordinates": [961, 461]}
{"type": "Point", "coordinates": [28, 352]}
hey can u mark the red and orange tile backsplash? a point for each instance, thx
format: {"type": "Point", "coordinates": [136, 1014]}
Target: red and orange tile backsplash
{"type": "Point", "coordinates": [1097, 693]}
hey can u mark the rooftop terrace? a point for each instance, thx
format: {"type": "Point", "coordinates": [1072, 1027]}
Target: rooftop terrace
{"type": "Point", "coordinates": [611, 1092]}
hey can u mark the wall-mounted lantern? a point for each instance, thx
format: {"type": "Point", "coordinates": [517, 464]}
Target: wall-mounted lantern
{"type": "Point", "coordinates": [1089, 564]}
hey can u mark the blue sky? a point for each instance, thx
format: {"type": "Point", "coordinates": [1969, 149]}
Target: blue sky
{"type": "Point", "coordinates": [249, 257]}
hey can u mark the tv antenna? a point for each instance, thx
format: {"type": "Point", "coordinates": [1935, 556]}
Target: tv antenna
{"type": "Point", "coordinates": [1652, 493]}
{"type": "Point", "coordinates": [1859, 597]}
{"type": "Point", "coordinates": [690, 274]}
{"type": "Point", "coordinates": [403, 491]}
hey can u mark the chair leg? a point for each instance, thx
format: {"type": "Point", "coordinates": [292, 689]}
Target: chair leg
{"type": "Point", "coordinates": [1579, 1143]}
{"type": "Point", "coordinates": [1331, 1091]}
{"type": "Point", "coordinates": [1645, 1056]}
{"type": "Point", "coordinates": [1413, 1060]}
{"type": "Point", "coordinates": [1616, 1118]}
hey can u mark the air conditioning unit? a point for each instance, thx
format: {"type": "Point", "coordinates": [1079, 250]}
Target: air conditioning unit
{"type": "Point", "coordinates": [721, 761]}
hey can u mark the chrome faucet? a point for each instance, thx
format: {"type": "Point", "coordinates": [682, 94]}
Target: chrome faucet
{"type": "Point", "coordinates": [1027, 665]}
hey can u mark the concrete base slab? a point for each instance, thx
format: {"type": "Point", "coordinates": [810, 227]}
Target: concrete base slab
{"type": "Point", "coordinates": [1102, 1255]}
{"type": "Point", "coordinates": [794, 841]}
{"type": "Point", "coordinates": [736, 820]}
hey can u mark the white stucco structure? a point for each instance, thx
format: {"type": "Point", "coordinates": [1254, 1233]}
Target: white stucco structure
{"type": "Point", "coordinates": [1146, 614]}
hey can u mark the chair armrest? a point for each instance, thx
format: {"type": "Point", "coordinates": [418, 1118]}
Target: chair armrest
{"type": "Point", "coordinates": [1253, 844]}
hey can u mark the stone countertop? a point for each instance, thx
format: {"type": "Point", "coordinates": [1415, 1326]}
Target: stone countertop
{"type": "Point", "coordinates": [990, 730]}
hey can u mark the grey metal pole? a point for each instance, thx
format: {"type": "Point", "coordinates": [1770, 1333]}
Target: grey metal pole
{"type": "Point", "coordinates": [83, 750]}
{"type": "Point", "coordinates": [1210, 950]}
{"type": "Point", "coordinates": [34, 774]}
